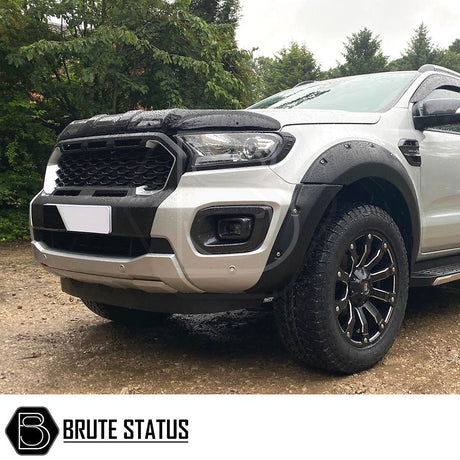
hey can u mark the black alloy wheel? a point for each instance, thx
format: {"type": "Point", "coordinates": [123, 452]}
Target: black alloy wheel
{"type": "Point", "coordinates": [366, 289]}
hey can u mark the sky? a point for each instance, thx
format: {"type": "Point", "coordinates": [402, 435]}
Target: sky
{"type": "Point", "coordinates": [323, 25]}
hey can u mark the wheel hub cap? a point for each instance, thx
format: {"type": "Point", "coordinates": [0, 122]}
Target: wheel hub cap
{"type": "Point", "coordinates": [360, 285]}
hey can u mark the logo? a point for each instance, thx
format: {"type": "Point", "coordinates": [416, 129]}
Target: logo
{"type": "Point", "coordinates": [32, 431]}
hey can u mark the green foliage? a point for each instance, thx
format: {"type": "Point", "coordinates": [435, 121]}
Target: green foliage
{"type": "Point", "coordinates": [13, 224]}
{"type": "Point", "coordinates": [288, 68]}
{"type": "Point", "coordinates": [455, 46]}
{"type": "Point", "coordinates": [112, 57]}
{"type": "Point", "coordinates": [220, 11]}
{"type": "Point", "coordinates": [363, 54]}
{"type": "Point", "coordinates": [26, 134]}
{"type": "Point", "coordinates": [449, 59]}
{"type": "Point", "coordinates": [420, 51]}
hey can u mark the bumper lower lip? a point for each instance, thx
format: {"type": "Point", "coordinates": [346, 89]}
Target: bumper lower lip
{"type": "Point", "coordinates": [164, 272]}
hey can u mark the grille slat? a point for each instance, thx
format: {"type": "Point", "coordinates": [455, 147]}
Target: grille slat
{"type": "Point", "coordinates": [107, 167]}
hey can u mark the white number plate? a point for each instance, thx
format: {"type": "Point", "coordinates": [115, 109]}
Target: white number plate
{"type": "Point", "coordinates": [86, 218]}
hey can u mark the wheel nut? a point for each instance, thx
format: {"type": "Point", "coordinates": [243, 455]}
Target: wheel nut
{"type": "Point", "coordinates": [337, 308]}
{"type": "Point", "coordinates": [392, 300]}
{"type": "Point", "coordinates": [382, 326]}
{"type": "Point", "coordinates": [369, 237]}
{"type": "Point", "coordinates": [393, 270]}
{"type": "Point", "coordinates": [385, 246]}
{"type": "Point", "coordinates": [339, 274]}
{"type": "Point", "coordinates": [366, 340]}
{"type": "Point", "coordinates": [352, 246]}
{"type": "Point", "coordinates": [348, 335]}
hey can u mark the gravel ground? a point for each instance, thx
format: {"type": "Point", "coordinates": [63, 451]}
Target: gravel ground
{"type": "Point", "coordinates": [50, 343]}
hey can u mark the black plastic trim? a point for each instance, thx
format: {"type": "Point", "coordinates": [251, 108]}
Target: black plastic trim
{"type": "Point", "coordinates": [116, 143]}
{"type": "Point", "coordinates": [165, 303]}
{"type": "Point", "coordinates": [308, 205]}
{"type": "Point", "coordinates": [410, 148]}
{"type": "Point", "coordinates": [421, 276]}
{"type": "Point", "coordinates": [422, 122]}
{"type": "Point", "coordinates": [132, 215]}
{"type": "Point", "coordinates": [170, 122]}
{"type": "Point", "coordinates": [102, 245]}
{"type": "Point", "coordinates": [339, 166]}
{"type": "Point", "coordinates": [204, 228]}
{"type": "Point", "coordinates": [348, 162]}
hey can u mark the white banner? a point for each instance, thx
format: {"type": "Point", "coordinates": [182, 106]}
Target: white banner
{"type": "Point", "coordinates": [230, 427]}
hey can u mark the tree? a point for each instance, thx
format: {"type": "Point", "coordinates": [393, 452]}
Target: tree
{"type": "Point", "coordinates": [450, 57]}
{"type": "Point", "coordinates": [289, 67]}
{"type": "Point", "coordinates": [219, 11]}
{"type": "Point", "coordinates": [75, 58]}
{"type": "Point", "coordinates": [420, 51]}
{"type": "Point", "coordinates": [363, 54]}
{"type": "Point", "coordinates": [110, 57]}
{"type": "Point", "coordinates": [455, 46]}
{"type": "Point", "coordinates": [25, 132]}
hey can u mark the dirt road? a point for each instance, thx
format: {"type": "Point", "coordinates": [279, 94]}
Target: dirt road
{"type": "Point", "coordinates": [50, 343]}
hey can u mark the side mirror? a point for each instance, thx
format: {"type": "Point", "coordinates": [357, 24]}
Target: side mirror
{"type": "Point", "coordinates": [437, 112]}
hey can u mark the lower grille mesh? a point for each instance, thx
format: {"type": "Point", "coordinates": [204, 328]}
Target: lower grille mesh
{"type": "Point", "coordinates": [102, 245]}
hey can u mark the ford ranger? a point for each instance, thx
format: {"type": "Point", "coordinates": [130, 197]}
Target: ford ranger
{"type": "Point", "coordinates": [324, 202]}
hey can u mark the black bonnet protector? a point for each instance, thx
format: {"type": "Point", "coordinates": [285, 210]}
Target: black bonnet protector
{"type": "Point", "coordinates": [169, 122]}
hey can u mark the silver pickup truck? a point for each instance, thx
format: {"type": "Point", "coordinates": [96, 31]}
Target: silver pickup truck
{"type": "Point", "coordinates": [323, 202]}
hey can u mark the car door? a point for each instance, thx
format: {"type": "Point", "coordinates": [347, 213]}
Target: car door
{"type": "Point", "coordinates": [440, 180]}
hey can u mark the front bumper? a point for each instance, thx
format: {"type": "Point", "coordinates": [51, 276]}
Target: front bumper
{"type": "Point", "coordinates": [159, 273]}
{"type": "Point", "coordinates": [185, 270]}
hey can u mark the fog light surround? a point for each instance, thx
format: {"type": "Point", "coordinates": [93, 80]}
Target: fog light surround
{"type": "Point", "coordinates": [230, 229]}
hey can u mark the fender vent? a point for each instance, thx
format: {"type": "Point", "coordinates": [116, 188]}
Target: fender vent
{"type": "Point", "coordinates": [411, 150]}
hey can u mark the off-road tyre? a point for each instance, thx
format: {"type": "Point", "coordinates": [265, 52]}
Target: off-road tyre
{"type": "Point", "coordinates": [314, 317]}
{"type": "Point", "coordinates": [126, 316]}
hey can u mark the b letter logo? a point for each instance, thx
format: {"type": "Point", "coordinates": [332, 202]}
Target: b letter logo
{"type": "Point", "coordinates": [32, 430]}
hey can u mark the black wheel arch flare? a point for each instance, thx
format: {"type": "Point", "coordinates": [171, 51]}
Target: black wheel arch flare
{"type": "Point", "coordinates": [339, 166]}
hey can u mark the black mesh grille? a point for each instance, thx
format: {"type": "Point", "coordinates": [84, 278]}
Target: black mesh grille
{"type": "Point", "coordinates": [100, 166]}
{"type": "Point", "coordinates": [103, 245]}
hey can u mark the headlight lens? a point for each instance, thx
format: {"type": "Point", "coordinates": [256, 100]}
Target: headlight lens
{"type": "Point", "coordinates": [210, 149]}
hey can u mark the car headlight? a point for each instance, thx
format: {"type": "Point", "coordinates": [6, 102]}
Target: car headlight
{"type": "Point", "coordinates": [229, 149]}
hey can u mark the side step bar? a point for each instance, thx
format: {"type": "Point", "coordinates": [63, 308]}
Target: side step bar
{"type": "Point", "coordinates": [436, 276]}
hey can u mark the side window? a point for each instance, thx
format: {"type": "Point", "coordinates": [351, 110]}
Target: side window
{"type": "Point", "coordinates": [443, 93]}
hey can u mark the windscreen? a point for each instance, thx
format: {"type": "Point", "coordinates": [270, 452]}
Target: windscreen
{"type": "Point", "coordinates": [361, 93]}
